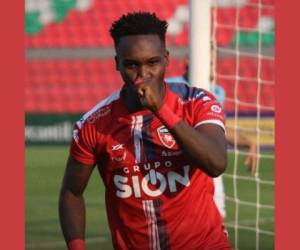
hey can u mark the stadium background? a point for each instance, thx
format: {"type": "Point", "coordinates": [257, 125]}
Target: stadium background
{"type": "Point", "coordinates": [70, 67]}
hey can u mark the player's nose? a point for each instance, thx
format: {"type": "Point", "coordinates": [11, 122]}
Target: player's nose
{"type": "Point", "coordinates": [143, 72]}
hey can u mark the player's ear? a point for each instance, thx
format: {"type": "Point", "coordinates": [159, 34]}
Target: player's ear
{"type": "Point", "coordinates": [167, 57]}
{"type": "Point", "coordinates": [117, 63]}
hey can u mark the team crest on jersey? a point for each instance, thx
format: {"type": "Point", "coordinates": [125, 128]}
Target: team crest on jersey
{"type": "Point", "coordinates": [216, 108]}
{"type": "Point", "coordinates": [118, 152]}
{"type": "Point", "coordinates": [165, 137]}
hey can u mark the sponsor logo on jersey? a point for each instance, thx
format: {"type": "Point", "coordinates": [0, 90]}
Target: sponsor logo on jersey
{"type": "Point", "coordinates": [200, 94]}
{"type": "Point", "coordinates": [216, 108]}
{"type": "Point", "coordinates": [118, 152]}
{"type": "Point", "coordinates": [153, 183]}
{"type": "Point", "coordinates": [206, 98]}
{"type": "Point", "coordinates": [170, 153]}
{"type": "Point", "coordinates": [79, 124]}
{"type": "Point", "coordinates": [165, 137]}
{"type": "Point", "coordinates": [99, 113]}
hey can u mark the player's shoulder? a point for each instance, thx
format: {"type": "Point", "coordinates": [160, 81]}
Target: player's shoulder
{"type": "Point", "coordinates": [101, 110]}
{"type": "Point", "coordinates": [190, 93]}
{"type": "Point", "coordinates": [176, 79]}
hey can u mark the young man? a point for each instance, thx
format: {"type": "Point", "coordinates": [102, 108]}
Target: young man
{"type": "Point", "coordinates": [156, 146]}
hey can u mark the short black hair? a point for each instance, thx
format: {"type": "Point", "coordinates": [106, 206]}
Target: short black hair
{"type": "Point", "coordinates": [138, 23]}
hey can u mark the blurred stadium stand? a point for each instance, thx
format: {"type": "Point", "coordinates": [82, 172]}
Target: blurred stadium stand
{"type": "Point", "coordinates": [76, 85]}
{"type": "Point", "coordinates": [65, 83]}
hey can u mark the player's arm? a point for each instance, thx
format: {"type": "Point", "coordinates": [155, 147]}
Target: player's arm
{"type": "Point", "coordinates": [243, 141]}
{"type": "Point", "coordinates": [204, 146]}
{"type": "Point", "coordinates": [71, 203]}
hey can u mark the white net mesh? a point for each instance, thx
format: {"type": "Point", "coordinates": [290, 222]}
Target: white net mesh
{"type": "Point", "coordinates": [249, 84]}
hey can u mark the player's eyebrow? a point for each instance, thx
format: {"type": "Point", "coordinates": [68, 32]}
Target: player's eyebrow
{"type": "Point", "coordinates": [154, 58]}
{"type": "Point", "coordinates": [135, 61]}
{"type": "Point", "coordinates": [130, 61]}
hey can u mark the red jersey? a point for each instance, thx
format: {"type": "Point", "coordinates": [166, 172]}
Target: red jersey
{"type": "Point", "coordinates": [154, 198]}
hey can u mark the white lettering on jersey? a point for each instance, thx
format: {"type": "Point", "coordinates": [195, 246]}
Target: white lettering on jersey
{"type": "Point", "coordinates": [168, 164]}
{"type": "Point", "coordinates": [174, 177]}
{"type": "Point", "coordinates": [136, 186]}
{"type": "Point", "coordinates": [124, 190]}
{"type": "Point", "coordinates": [170, 153]}
{"type": "Point", "coordinates": [160, 181]}
{"type": "Point", "coordinates": [156, 164]}
{"type": "Point", "coordinates": [160, 189]}
{"type": "Point", "coordinates": [126, 170]}
{"type": "Point", "coordinates": [136, 168]}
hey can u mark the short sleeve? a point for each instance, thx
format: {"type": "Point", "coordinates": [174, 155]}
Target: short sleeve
{"type": "Point", "coordinates": [208, 110]}
{"type": "Point", "coordinates": [84, 143]}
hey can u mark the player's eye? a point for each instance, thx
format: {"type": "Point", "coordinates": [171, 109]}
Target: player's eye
{"type": "Point", "coordinates": [130, 65]}
{"type": "Point", "coordinates": [154, 62]}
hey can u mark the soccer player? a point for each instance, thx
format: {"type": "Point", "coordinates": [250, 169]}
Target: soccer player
{"type": "Point", "coordinates": [157, 147]}
{"type": "Point", "coordinates": [241, 140]}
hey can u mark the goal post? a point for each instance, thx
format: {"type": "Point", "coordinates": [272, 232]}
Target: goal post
{"type": "Point", "coordinates": [199, 42]}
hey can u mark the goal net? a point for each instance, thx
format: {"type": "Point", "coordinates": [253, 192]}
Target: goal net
{"type": "Point", "coordinates": [243, 56]}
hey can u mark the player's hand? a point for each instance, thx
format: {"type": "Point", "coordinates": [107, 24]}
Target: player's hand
{"type": "Point", "coordinates": [150, 94]}
{"type": "Point", "coordinates": [251, 159]}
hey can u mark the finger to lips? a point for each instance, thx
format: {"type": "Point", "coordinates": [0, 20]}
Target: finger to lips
{"type": "Point", "coordinates": [143, 101]}
{"type": "Point", "coordinates": [138, 81]}
{"type": "Point", "coordinates": [141, 92]}
{"type": "Point", "coordinates": [143, 95]}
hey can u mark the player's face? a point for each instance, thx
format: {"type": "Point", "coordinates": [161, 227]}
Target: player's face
{"type": "Point", "coordinates": [142, 59]}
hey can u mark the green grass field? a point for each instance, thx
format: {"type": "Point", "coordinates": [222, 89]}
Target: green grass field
{"type": "Point", "coordinates": [45, 167]}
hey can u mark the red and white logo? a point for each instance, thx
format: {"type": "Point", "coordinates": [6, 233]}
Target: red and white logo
{"type": "Point", "coordinates": [216, 108]}
{"type": "Point", "coordinates": [118, 152]}
{"type": "Point", "coordinates": [165, 137]}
